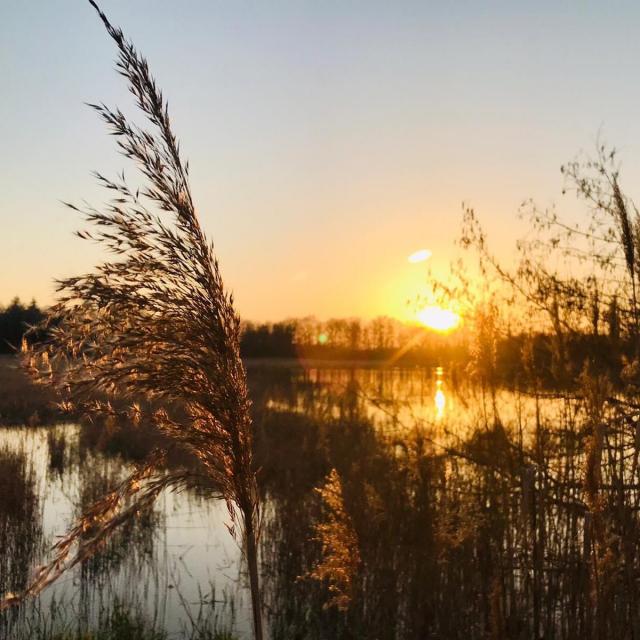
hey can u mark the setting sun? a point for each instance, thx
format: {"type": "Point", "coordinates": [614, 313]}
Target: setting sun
{"type": "Point", "coordinates": [438, 318]}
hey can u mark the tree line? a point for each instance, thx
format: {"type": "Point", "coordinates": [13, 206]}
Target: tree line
{"type": "Point", "coordinates": [516, 356]}
{"type": "Point", "coordinates": [15, 320]}
{"type": "Point", "coordinates": [286, 339]}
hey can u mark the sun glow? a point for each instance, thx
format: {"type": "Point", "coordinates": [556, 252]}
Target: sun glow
{"type": "Point", "coordinates": [438, 318]}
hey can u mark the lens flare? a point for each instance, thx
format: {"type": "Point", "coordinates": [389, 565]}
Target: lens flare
{"type": "Point", "coordinates": [419, 256]}
{"type": "Point", "coordinates": [438, 319]}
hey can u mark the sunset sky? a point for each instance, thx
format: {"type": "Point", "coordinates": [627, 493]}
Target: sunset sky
{"type": "Point", "coordinates": [327, 141]}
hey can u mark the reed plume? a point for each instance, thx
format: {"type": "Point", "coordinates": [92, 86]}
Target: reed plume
{"type": "Point", "coordinates": [154, 323]}
{"type": "Point", "coordinates": [340, 559]}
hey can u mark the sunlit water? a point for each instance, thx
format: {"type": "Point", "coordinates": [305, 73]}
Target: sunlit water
{"type": "Point", "coordinates": [183, 561]}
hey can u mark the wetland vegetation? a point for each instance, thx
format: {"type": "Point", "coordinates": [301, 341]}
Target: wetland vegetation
{"type": "Point", "coordinates": [476, 480]}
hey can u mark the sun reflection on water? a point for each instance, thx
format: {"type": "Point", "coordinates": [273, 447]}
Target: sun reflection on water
{"type": "Point", "coordinates": [440, 399]}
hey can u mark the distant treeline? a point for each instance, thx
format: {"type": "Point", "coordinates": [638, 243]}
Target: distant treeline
{"type": "Point", "coordinates": [350, 339]}
{"type": "Point", "coordinates": [512, 359]}
{"type": "Point", "coordinates": [380, 339]}
{"type": "Point", "coordinates": [14, 321]}
{"type": "Point", "coordinates": [337, 339]}
{"type": "Point", "coordinates": [388, 340]}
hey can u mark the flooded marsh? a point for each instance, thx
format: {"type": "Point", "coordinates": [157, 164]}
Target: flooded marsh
{"type": "Point", "coordinates": [399, 503]}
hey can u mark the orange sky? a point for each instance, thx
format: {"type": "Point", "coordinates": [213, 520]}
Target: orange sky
{"type": "Point", "coordinates": [326, 142]}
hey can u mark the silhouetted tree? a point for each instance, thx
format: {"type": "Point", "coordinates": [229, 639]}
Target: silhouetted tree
{"type": "Point", "coordinates": [15, 320]}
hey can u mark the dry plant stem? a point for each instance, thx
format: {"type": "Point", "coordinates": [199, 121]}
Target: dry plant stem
{"type": "Point", "coordinates": [155, 324]}
{"type": "Point", "coordinates": [252, 564]}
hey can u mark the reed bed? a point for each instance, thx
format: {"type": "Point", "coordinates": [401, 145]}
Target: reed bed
{"type": "Point", "coordinates": [514, 527]}
{"type": "Point", "coordinates": [520, 529]}
{"type": "Point", "coordinates": [115, 622]}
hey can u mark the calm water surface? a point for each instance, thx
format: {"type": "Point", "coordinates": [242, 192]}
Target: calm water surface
{"type": "Point", "coordinates": [180, 561]}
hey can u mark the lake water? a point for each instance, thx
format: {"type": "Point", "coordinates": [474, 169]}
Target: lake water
{"type": "Point", "coordinates": [392, 434]}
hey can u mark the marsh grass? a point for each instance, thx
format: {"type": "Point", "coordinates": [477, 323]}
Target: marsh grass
{"type": "Point", "coordinates": [20, 519]}
{"type": "Point", "coordinates": [118, 621]}
{"type": "Point", "coordinates": [58, 451]}
{"type": "Point", "coordinates": [513, 528]}
{"type": "Point", "coordinates": [21, 537]}
{"type": "Point", "coordinates": [135, 567]}
{"type": "Point", "coordinates": [21, 400]}
{"type": "Point", "coordinates": [523, 523]}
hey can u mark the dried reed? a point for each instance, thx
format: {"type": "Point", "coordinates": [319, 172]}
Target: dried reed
{"type": "Point", "coordinates": [155, 323]}
{"type": "Point", "coordinates": [340, 555]}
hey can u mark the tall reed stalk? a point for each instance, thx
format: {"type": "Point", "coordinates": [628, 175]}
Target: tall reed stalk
{"type": "Point", "coordinates": [156, 324]}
